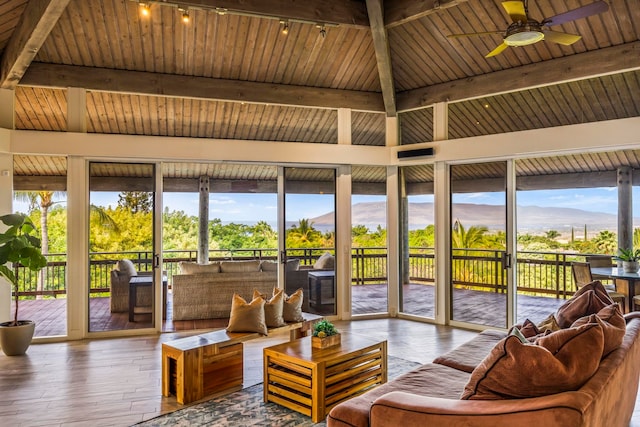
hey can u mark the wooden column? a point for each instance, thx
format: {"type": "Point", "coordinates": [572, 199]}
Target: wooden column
{"type": "Point", "coordinates": [625, 208]}
{"type": "Point", "coordinates": [203, 224]}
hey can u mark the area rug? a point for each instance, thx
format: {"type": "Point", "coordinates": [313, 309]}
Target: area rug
{"type": "Point", "coordinates": [247, 408]}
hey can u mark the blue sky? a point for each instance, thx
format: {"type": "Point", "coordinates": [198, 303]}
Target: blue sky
{"type": "Point", "coordinates": [252, 207]}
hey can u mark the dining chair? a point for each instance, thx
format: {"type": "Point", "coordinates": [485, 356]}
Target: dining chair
{"type": "Point", "coordinates": [598, 261]}
{"type": "Point", "coordinates": [581, 272]}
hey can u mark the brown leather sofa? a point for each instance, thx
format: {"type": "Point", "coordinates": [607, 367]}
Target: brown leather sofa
{"type": "Point", "coordinates": [430, 394]}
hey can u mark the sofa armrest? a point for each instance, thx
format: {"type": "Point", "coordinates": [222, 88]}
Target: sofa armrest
{"type": "Point", "coordinates": [406, 409]}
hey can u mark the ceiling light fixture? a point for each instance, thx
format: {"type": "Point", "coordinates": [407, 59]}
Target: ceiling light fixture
{"type": "Point", "coordinates": [323, 30]}
{"type": "Point", "coordinates": [523, 35]}
{"type": "Point", "coordinates": [285, 27]}
{"type": "Point", "coordinates": [145, 9]}
{"type": "Point", "coordinates": [185, 15]}
{"type": "Point", "coordinates": [221, 10]}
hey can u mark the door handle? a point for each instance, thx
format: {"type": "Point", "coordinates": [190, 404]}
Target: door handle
{"type": "Point", "coordinates": [156, 261]}
{"type": "Point", "coordinates": [506, 260]}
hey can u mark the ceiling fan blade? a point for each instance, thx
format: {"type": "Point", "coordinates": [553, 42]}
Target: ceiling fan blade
{"type": "Point", "coordinates": [483, 33]}
{"type": "Point", "coordinates": [497, 51]}
{"type": "Point", "coordinates": [581, 12]}
{"type": "Point", "coordinates": [516, 11]}
{"type": "Point", "coordinates": [561, 38]}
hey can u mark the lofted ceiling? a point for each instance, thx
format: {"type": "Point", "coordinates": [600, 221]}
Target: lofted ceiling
{"type": "Point", "coordinates": [231, 73]}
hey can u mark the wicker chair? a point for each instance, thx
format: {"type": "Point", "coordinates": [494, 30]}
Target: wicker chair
{"type": "Point", "coordinates": [120, 275]}
{"type": "Point", "coordinates": [581, 272]}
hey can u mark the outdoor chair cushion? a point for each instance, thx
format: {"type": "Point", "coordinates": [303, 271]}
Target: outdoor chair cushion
{"type": "Point", "coordinates": [187, 267]}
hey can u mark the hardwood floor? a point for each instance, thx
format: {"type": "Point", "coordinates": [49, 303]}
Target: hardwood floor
{"type": "Point", "coordinates": [116, 382]}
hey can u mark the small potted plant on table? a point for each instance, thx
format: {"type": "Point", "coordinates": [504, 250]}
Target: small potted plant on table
{"type": "Point", "coordinates": [629, 259]}
{"type": "Point", "coordinates": [324, 335]}
{"type": "Point", "coordinates": [18, 245]}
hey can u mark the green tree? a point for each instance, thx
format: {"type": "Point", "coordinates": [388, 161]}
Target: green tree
{"type": "Point", "coordinates": [303, 235]}
{"type": "Point", "coordinates": [552, 234]}
{"type": "Point", "coordinates": [136, 201]}
{"type": "Point", "coordinates": [606, 242]}
{"type": "Point", "coordinates": [473, 237]}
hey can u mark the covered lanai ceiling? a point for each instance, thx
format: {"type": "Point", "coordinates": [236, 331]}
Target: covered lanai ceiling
{"type": "Point", "coordinates": [231, 73]}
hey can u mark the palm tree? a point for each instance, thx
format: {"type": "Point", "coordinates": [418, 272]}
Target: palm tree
{"type": "Point", "coordinates": [304, 233]}
{"type": "Point", "coordinates": [473, 237]}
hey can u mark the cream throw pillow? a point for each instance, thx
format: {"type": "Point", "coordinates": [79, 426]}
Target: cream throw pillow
{"type": "Point", "coordinates": [187, 267]}
{"type": "Point", "coordinates": [239, 266]}
{"type": "Point", "coordinates": [272, 308]}
{"type": "Point", "coordinates": [125, 266]}
{"type": "Point", "coordinates": [326, 261]}
{"type": "Point", "coordinates": [292, 310]}
{"type": "Point", "coordinates": [247, 317]}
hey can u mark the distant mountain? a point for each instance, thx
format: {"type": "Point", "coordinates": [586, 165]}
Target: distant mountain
{"type": "Point", "coordinates": [530, 218]}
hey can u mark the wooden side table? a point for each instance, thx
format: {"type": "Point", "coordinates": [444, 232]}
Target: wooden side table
{"type": "Point", "coordinates": [312, 381]}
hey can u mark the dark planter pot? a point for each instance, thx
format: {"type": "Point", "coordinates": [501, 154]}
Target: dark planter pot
{"type": "Point", "coordinates": [15, 340]}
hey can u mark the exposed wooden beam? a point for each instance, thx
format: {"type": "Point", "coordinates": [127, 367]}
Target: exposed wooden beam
{"type": "Point", "coordinates": [346, 12]}
{"type": "Point", "coordinates": [611, 60]}
{"type": "Point", "coordinates": [190, 185]}
{"type": "Point", "coordinates": [38, 19]}
{"type": "Point", "coordinates": [400, 12]}
{"type": "Point", "coordinates": [383, 55]}
{"type": "Point", "coordinates": [156, 84]}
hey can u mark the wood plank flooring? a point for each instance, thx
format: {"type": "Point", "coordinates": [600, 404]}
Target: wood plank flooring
{"type": "Point", "coordinates": [116, 382]}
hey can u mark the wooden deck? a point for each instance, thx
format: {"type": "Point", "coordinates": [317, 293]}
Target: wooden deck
{"type": "Point", "coordinates": [470, 306]}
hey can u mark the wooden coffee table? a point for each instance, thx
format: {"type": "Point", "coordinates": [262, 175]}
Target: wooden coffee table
{"type": "Point", "coordinates": [312, 381]}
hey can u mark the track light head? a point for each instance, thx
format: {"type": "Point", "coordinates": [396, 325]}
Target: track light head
{"type": "Point", "coordinates": [185, 15]}
{"type": "Point", "coordinates": [285, 27]}
{"type": "Point", "coordinates": [145, 9]}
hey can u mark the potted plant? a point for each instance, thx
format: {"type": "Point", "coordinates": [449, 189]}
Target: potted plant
{"type": "Point", "coordinates": [18, 244]}
{"type": "Point", "coordinates": [629, 259]}
{"type": "Point", "coordinates": [325, 335]}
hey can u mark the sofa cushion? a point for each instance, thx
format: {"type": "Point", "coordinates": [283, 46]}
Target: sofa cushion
{"type": "Point", "coordinates": [292, 309]}
{"type": "Point", "coordinates": [126, 267]}
{"type": "Point", "coordinates": [290, 265]}
{"type": "Point", "coordinates": [433, 380]}
{"type": "Point", "coordinates": [578, 306]}
{"type": "Point", "coordinates": [561, 361]}
{"type": "Point", "coordinates": [187, 267]}
{"type": "Point", "coordinates": [272, 307]}
{"type": "Point", "coordinates": [325, 262]}
{"type": "Point", "coordinates": [467, 356]}
{"type": "Point", "coordinates": [597, 287]}
{"type": "Point", "coordinates": [247, 317]}
{"type": "Point", "coordinates": [613, 326]}
{"type": "Point", "coordinates": [239, 266]}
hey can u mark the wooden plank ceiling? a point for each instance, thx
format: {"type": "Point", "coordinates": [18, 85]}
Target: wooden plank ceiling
{"type": "Point", "coordinates": [231, 72]}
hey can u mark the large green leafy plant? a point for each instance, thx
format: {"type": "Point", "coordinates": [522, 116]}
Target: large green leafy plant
{"type": "Point", "coordinates": [628, 255]}
{"type": "Point", "coordinates": [18, 244]}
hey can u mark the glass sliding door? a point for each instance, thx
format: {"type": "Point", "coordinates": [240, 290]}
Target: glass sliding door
{"type": "Point", "coordinates": [479, 258]}
{"type": "Point", "coordinates": [121, 246]}
{"type": "Point", "coordinates": [417, 236]}
{"type": "Point", "coordinates": [309, 253]}
{"type": "Point", "coordinates": [369, 288]}
{"type": "Point", "coordinates": [43, 197]}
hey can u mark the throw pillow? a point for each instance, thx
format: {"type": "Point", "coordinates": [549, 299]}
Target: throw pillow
{"type": "Point", "coordinates": [292, 310]}
{"type": "Point", "coordinates": [247, 317]}
{"type": "Point", "coordinates": [326, 261]}
{"type": "Point", "coordinates": [529, 329]}
{"type": "Point", "coordinates": [195, 268]}
{"type": "Point", "coordinates": [125, 266]}
{"type": "Point", "coordinates": [516, 333]}
{"type": "Point", "coordinates": [272, 307]}
{"type": "Point", "coordinates": [583, 304]}
{"type": "Point", "coordinates": [550, 324]}
{"type": "Point", "coordinates": [563, 361]}
{"type": "Point", "coordinates": [292, 264]}
{"type": "Point", "coordinates": [613, 326]}
{"type": "Point", "coordinates": [269, 265]}
{"type": "Point", "coordinates": [239, 266]}
{"type": "Point", "coordinates": [597, 287]}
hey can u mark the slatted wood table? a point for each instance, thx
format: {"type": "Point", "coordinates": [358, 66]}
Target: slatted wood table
{"type": "Point", "coordinates": [312, 381]}
{"type": "Point", "coordinates": [202, 365]}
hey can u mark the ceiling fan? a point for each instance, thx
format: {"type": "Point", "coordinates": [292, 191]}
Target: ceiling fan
{"type": "Point", "coordinates": [524, 30]}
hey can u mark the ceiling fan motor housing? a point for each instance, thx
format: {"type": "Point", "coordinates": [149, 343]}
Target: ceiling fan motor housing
{"type": "Point", "coordinates": [523, 34]}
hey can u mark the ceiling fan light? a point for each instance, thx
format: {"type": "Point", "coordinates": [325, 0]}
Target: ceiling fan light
{"type": "Point", "coordinates": [524, 38]}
